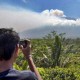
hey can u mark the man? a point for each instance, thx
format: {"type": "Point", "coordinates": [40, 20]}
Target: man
{"type": "Point", "coordinates": [9, 45]}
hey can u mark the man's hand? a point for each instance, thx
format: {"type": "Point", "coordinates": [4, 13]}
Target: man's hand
{"type": "Point", "coordinates": [27, 50]}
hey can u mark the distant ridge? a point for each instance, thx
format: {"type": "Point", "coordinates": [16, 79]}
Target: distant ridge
{"type": "Point", "coordinates": [71, 32]}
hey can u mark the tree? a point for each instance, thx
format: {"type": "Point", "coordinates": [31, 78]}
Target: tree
{"type": "Point", "coordinates": [56, 51]}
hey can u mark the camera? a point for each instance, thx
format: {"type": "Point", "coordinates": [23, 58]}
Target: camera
{"type": "Point", "coordinates": [23, 43]}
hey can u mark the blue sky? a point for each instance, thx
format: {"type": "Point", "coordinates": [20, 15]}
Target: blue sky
{"type": "Point", "coordinates": [69, 7]}
{"type": "Point", "coordinates": [27, 14]}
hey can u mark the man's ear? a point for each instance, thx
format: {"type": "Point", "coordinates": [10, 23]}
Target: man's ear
{"type": "Point", "coordinates": [16, 49]}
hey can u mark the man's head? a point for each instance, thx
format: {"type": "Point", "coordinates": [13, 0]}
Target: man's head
{"type": "Point", "coordinates": [8, 42]}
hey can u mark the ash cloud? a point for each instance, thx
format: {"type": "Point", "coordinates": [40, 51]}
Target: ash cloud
{"type": "Point", "coordinates": [22, 19]}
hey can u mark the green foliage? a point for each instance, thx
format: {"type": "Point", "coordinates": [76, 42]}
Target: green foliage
{"type": "Point", "coordinates": [41, 53]}
{"type": "Point", "coordinates": [51, 51]}
{"type": "Point", "coordinates": [70, 60]}
{"type": "Point", "coordinates": [21, 63]}
{"type": "Point", "coordinates": [24, 66]}
{"type": "Point", "coordinates": [59, 73]}
{"type": "Point", "coordinates": [56, 51]}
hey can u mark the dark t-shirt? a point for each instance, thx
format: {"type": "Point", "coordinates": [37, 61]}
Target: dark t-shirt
{"type": "Point", "coordinates": [13, 74]}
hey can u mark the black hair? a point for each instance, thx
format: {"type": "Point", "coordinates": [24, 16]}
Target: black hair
{"type": "Point", "coordinates": [8, 41]}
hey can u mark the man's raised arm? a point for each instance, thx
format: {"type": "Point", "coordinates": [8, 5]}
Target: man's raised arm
{"type": "Point", "coordinates": [27, 53]}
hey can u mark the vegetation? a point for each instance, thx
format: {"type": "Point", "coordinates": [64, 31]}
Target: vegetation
{"type": "Point", "coordinates": [56, 57]}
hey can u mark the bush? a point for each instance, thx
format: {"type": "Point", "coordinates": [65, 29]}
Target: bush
{"type": "Point", "coordinates": [59, 73]}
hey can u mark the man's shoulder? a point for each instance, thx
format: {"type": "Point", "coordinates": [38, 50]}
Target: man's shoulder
{"type": "Point", "coordinates": [24, 75]}
{"type": "Point", "coordinates": [18, 75]}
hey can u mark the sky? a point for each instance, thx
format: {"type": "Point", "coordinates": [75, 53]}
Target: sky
{"type": "Point", "coordinates": [28, 14]}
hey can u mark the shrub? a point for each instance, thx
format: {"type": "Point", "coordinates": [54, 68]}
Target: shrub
{"type": "Point", "coordinates": [59, 73]}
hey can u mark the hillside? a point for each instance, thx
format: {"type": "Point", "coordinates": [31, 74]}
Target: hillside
{"type": "Point", "coordinates": [71, 31]}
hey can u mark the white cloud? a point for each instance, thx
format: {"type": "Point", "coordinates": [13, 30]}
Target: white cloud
{"type": "Point", "coordinates": [24, 19]}
{"type": "Point", "coordinates": [56, 12]}
{"type": "Point", "coordinates": [20, 20]}
{"type": "Point", "coordinates": [57, 18]}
